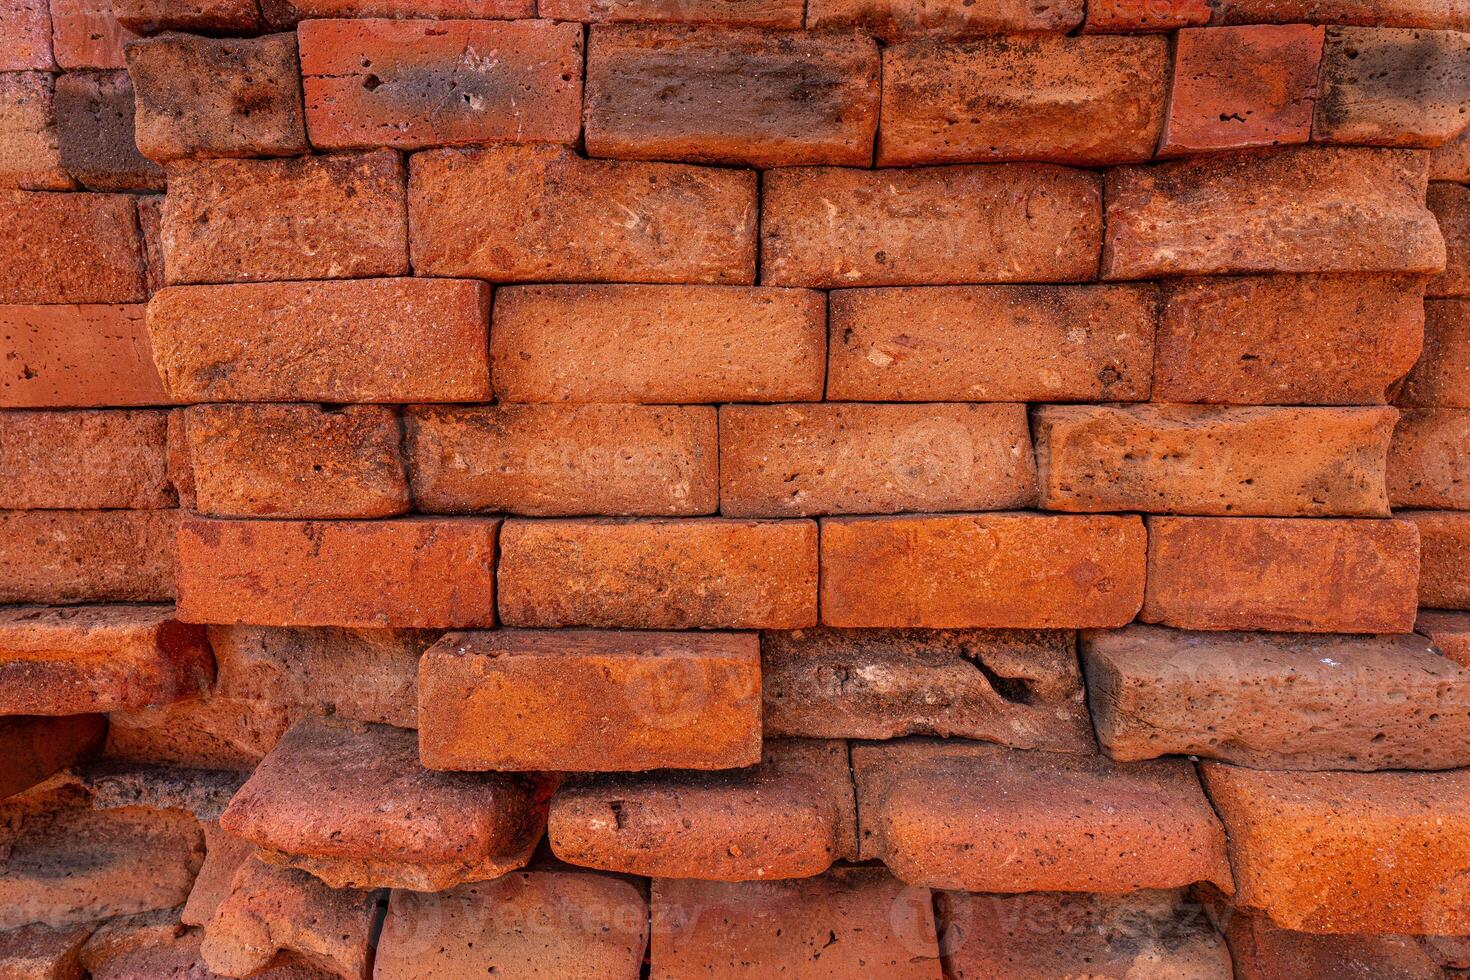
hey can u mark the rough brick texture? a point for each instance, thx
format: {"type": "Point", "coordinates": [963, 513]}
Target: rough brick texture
{"type": "Point", "coordinates": [69, 556]}
{"type": "Point", "coordinates": [87, 460]}
{"type": "Point", "coordinates": [1441, 377]}
{"type": "Point", "coordinates": [94, 118]}
{"type": "Point", "coordinates": [1393, 87]}
{"type": "Point", "coordinates": [73, 356]}
{"type": "Point", "coordinates": [1427, 466]}
{"type": "Point", "coordinates": [30, 151]}
{"type": "Point", "coordinates": [70, 248]}
{"type": "Point", "coordinates": [1444, 548]}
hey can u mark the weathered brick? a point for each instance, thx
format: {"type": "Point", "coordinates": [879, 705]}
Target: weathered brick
{"type": "Point", "coordinates": [286, 13]}
{"type": "Point", "coordinates": [1451, 161]}
{"type": "Point", "coordinates": [784, 14]}
{"type": "Point", "coordinates": [1264, 951]}
{"type": "Point", "coordinates": [1444, 554]}
{"type": "Point", "coordinates": [1428, 465]}
{"type": "Point", "coordinates": [789, 817]}
{"type": "Point", "coordinates": [412, 572]}
{"type": "Point", "coordinates": [336, 216]}
{"type": "Point", "coordinates": [193, 16]}
{"type": "Point", "coordinates": [1236, 87]}
{"type": "Point", "coordinates": [223, 856]}
{"type": "Point", "coordinates": [1332, 852]}
{"type": "Point", "coordinates": [659, 574]}
{"type": "Point", "coordinates": [178, 468]}
{"type": "Point", "coordinates": [150, 221]}
{"type": "Point", "coordinates": [805, 460]}
{"type": "Point", "coordinates": [33, 748]}
{"type": "Point", "coordinates": [30, 148]}
{"type": "Point", "coordinates": [1278, 701]}
{"type": "Point", "coordinates": [992, 343]}
{"type": "Point", "coordinates": [1200, 459]}
{"type": "Point", "coordinates": [84, 460]}
{"type": "Point", "coordinates": [217, 97]}
{"type": "Point", "coordinates": [70, 248]}
{"type": "Point", "coordinates": [94, 113]}
{"type": "Point", "coordinates": [69, 556]}
{"type": "Point", "coordinates": [731, 96]}
{"type": "Point", "coordinates": [25, 36]}
{"type": "Point", "coordinates": [603, 702]}
{"type": "Point", "coordinates": [86, 35]}
{"type": "Point", "coordinates": [38, 952]}
{"type": "Point", "coordinates": [362, 340]}
{"type": "Point", "coordinates": [1441, 377]}
{"type": "Point", "coordinates": [296, 461]}
{"type": "Point", "coordinates": [1287, 340]}
{"type": "Point", "coordinates": [1396, 87]}
{"type": "Point", "coordinates": [154, 944]}
{"type": "Point", "coordinates": [111, 785]}
{"type": "Point", "coordinates": [897, 20]}
{"type": "Point", "coordinates": [563, 460]}
{"type": "Point", "coordinates": [211, 732]}
{"type": "Point", "coordinates": [1299, 576]}
{"type": "Point", "coordinates": [328, 800]}
{"type": "Point", "coordinates": [1136, 16]}
{"type": "Point", "coordinates": [1086, 100]}
{"type": "Point", "coordinates": [539, 213]}
{"type": "Point", "coordinates": [1011, 223]}
{"type": "Point", "coordinates": [1451, 206]}
{"type": "Point", "coordinates": [1307, 209]}
{"type": "Point", "coordinates": [1448, 631]}
{"type": "Point", "coordinates": [1454, 14]}
{"type": "Point", "coordinates": [1022, 570]}
{"type": "Point", "coordinates": [937, 813]}
{"type": "Point", "coordinates": [1015, 687]}
{"type": "Point", "coordinates": [414, 83]}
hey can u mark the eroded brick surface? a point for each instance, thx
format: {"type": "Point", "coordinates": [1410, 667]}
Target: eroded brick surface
{"type": "Point", "coordinates": [70, 248]}
{"type": "Point", "coordinates": [84, 460]}
{"type": "Point", "coordinates": [30, 140]}
{"type": "Point", "coordinates": [1393, 87]}
{"type": "Point", "coordinates": [94, 118]}
{"type": "Point", "coordinates": [1444, 548]}
{"type": "Point", "coordinates": [72, 556]}
{"type": "Point", "coordinates": [896, 20]}
{"type": "Point", "coordinates": [1428, 466]}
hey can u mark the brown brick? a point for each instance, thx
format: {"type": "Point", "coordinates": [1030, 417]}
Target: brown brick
{"type": "Point", "coordinates": [1451, 206]}
{"type": "Point", "coordinates": [1293, 340]}
{"type": "Point", "coordinates": [1022, 570]}
{"type": "Point", "coordinates": [83, 460]}
{"type": "Point", "coordinates": [563, 460]}
{"type": "Point", "coordinates": [365, 340]}
{"type": "Point", "coordinates": [413, 572]}
{"type": "Point", "coordinates": [86, 34]}
{"type": "Point", "coordinates": [30, 147]}
{"type": "Point", "coordinates": [897, 20]}
{"type": "Point", "coordinates": [1451, 161]}
{"type": "Point", "coordinates": [1444, 554]}
{"type": "Point", "coordinates": [1309, 209]}
{"type": "Point", "coordinates": [992, 343]}
{"type": "Point", "coordinates": [1015, 687]}
{"type": "Point", "coordinates": [785, 14]}
{"type": "Point", "coordinates": [217, 97]}
{"type": "Point", "coordinates": [659, 574]}
{"type": "Point", "coordinates": [1448, 631]}
{"type": "Point", "coordinates": [602, 701]}
{"type": "Point", "coordinates": [1299, 576]}
{"type": "Point", "coordinates": [193, 16]}
{"type": "Point", "coordinates": [110, 785]}
{"type": "Point", "coordinates": [789, 817]}
{"type": "Point", "coordinates": [337, 216]}
{"type": "Point", "coordinates": [296, 461]}
{"type": "Point", "coordinates": [938, 813]}
{"type": "Point", "coordinates": [1454, 14]}
{"type": "Point", "coordinates": [1332, 852]}
{"type": "Point", "coordinates": [1441, 377]}
{"type": "Point", "coordinates": [1396, 87]}
{"type": "Point", "coordinates": [1012, 223]}
{"type": "Point", "coordinates": [328, 800]}
{"type": "Point", "coordinates": [538, 213]}
{"type": "Point", "coordinates": [1082, 100]}
{"type": "Point", "coordinates": [68, 556]}
{"type": "Point", "coordinates": [210, 732]}
{"type": "Point", "coordinates": [805, 460]}
{"type": "Point", "coordinates": [34, 748]}
{"type": "Point", "coordinates": [25, 36]}
{"type": "Point", "coordinates": [1264, 951]}
{"type": "Point", "coordinates": [414, 83]}
{"type": "Point", "coordinates": [94, 113]}
{"type": "Point", "coordinates": [70, 248]}
{"type": "Point", "coordinates": [731, 96]}
{"type": "Point", "coordinates": [1428, 466]}
{"type": "Point", "coordinates": [1135, 16]}
{"type": "Point", "coordinates": [38, 952]}
{"type": "Point", "coordinates": [1199, 459]}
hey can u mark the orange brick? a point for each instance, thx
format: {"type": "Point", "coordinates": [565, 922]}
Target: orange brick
{"type": "Point", "coordinates": [1441, 377]}
{"type": "Point", "coordinates": [221, 733]}
{"type": "Point", "coordinates": [786, 14]}
{"type": "Point", "coordinates": [1452, 160]}
{"type": "Point", "coordinates": [86, 34]}
{"type": "Point", "coordinates": [194, 16]}
{"type": "Point", "coordinates": [1444, 554]}
{"type": "Point", "coordinates": [84, 461]}
{"type": "Point", "coordinates": [25, 36]}
{"type": "Point", "coordinates": [897, 20]}
{"type": "Point", "coordinates": [1263, 951]}
{"type": "Point", "coordinates": [150, 218]}
{"type": "Point", "coordinates": [1453, 14]}
{"type": "Point", "coordinates": [70, 248]}
{"type": "Point", "coordinates": [1307, 576]}
{"type": "Point", "coordinates": [1395, 87]}
{"type": "Point", "coordinates": [1129, 16]}
{"type": "Point", "coordinates": [1428, 465]}
{"type": "Point", "coordinates": [411, 572]}
{"type": "Point", "coordinates": [30, 147]}
{"type": "Point", "coordinates": [35, 747]}
{"type": "Point", "coordinates": [69, 556]}
{"type": "Point", "coordinates": [1021, 570]}
{"type": "Point", "coordinates": [659, 574]}
{"type": "Point", "coordinates": [408, 9]}
{"type": "Point", "coordinates": [1451, 206]}
{"type": "Point", "coordinates": [1448, 631]}
{"type": "Point", "coordinates": [413, 83]}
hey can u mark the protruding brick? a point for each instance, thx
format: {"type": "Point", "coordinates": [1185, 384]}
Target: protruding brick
{"type": "Point", "coordinates": [1310, 209]}
{"type": "Point", "coordinates": [937, 813]}
{"type": "Point", "coordinates": [1453, 14]}
{"type": "Point", "coordinates": [412, 572]}
{"type": "Point", "coordinates": [329, 800]}
{"type": "Point", "coordinates": [361, 340]}
{"type": "Point", "coordinates": [1428, 466]}
{"type": "Point", "coordinates": [1138, 16]}
{"type": "Point", "coordinates": [192, 16]}
{"type": "Point", "coordinates": [1081, 100]}
{"type": "Point", "coordinates": [86, 35]}
{"type": "Point", "coordinates": [1451, 206]}
{"type": "Point", "coordinates": [1444, 555]}
{"type": "Point", "coordinates": [782, 14]}
{"type": "Point", "coordinates": [1263, 950]}
{"type": "Point", "coordinates": [897, 20]}
{"type": "Point", "coordinates": [84, 460]}
{"type": "Point", "coordinates": [1022, 570]}
{"type": "Point", "coordinates": [563, 460]}
{"type": "Point", "coordinates": [337, 216]}
{"type": "Point", "coordinates": [789, 817]}
{"type": "Point", "coordinates": [1278, 701]}
{"type": "Point", "coordinates": [659, 574]}
{"type": "Point", "coordinates": [69, 556]}
{"type": "Point", "coordinates": [285, 13]}
{"type": "Point", "coordinates": [25, 36]}
{"type": "Point", "coordinates": [70, 248]}
{"type": "Point", "coordinates": [1300, 576]}
{"type": "Point", "coordinates": [76, 356]}
{"type": "Point", "coordinates": [1441, 377]}
{"type": "Point", "coordinates": [731, 96]}
{"type": "Point", "coordinates": [38, 952]}
{"type": "Point", "coordinates": [1197, 459]}
{"type": "Point", "coordinates": [30, 142]}
{"type": "Point", "coordinates": [542, 213]}
{"type": "Point", "coordinates": [94, 113]}
{"type": "Point", "coordinates": [33, 748]}
{"type": "Point", "coordinates": [1011, 223]}
{"type": "Point", "coordinates": [414, 83]}
{"type": "Point", "coordinates": [1395, 87]}
{"type": "Point", "coordinates": [112, 785]}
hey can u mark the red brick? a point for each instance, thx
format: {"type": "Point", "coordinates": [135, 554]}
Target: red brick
{"type": "Point", "coordinates": [786, 14]}
{"type": "Point", "coordinates": [1012, 223]}
{"type": "Point", "coordinates": [34, 748]}
{"type": "Point", "coordinates": [1451, 161]}
{"type": "Point", "coordinates": [1021, 570]}
{"type": "Point", "coordinates": [659, 574]}
{"type": "Point", "coordinates": [1198, 459]}
{"type": "Point", "coordinates": [84, 460]}
{"type": "Point", "coordinates": [413, 83]}
{"type": "Point", "coordinates": [602, 702]}
{"type": "Point", "coordinates": [1130, 16]}
{"type": "Point", "coordinates": [805, 460]}
{"type": "Point", "coordinates": [1441, 377]}
{"type": "Point", "coordinates": [211, 732]}
{"type": "Point", "coordinates": [413, 572]}
{"type": "Point", "coordinates": [1397, 87]}
{"type": "Point", "coordinates": [178, 468]}
{"type": "Point", "coordinates": [1331, 852]}
{"type": "Point", "coordinates": [1448, 631]}
{"type": "Point", "coordinates": [1444, 554]}
{"type": "Point", "coordinates": [539, 213]}
{"type": "Point", "coordinates": [296, 461]}
{"type": "Point", "coordinates": [30, 148]}
{"type": "Point", "coordinates": [203, 793]}
{"type": "Point", "coordinates": [1451, 206]}
{"type": "Point", "coordinates": [897, 20]}
{"type": "Point", "coordinates": [1319, 209]}
{"type": "Point", "coordinates": [70, 248]}
{"type": "Point", "coordinates": [94, 113]}
{"type": "Point", "coordinates": [286, 13]}
{"type": "Point", "coordinates": [1428, 466]}
{"type": "Point", "coordinates": [38, 952]}
{"type": "Point", "coordinates": [939, 814]}
{"type": "Point", "coordinates": [1236, 87]}
{"type": "Point", "coordinates": [67, 556]}
{"type": "Point", "coordinates": [1081, 100]}
{"type": "Point", "coordinates": [1293, 340]}
{"type": "Point", "coordinates": [338, 216]}
{"type": "Point", "coordinates": [992, 343]}
{"type": "Point", "coordinates": [1299, 576]}
{"type": "Point", "coordinates": [25, 36]}
{"type": "Point", "coordinates": [364, 340]}
{"type": "Point", "coordinates": [1454, 14]}
{"type": "Point", "coordinates": [731, 96]}
{"type": "Point", "coordinates": [150, 218]}
{"type": "Point", "coordinates": [1264, 951]}
{"type": "Point", "coordinates": [193, 16]}
{"type": "Point", "coordinates": [86, 34]}
{"type": "Point", "coordinates": [154, 945]}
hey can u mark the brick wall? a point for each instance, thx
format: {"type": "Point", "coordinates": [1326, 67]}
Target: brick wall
{"type": "Point", "coordinates": [678, 488]}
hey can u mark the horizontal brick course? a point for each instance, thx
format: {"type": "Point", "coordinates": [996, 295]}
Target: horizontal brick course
{"type": "Point", "coordinates": [30, 140]}
{"type": "Point", "coordinates": [70, 248]}
{"type": "Point", "coordinates": [1454, 14]}
{"type": "Point", "coordinates": [896, 20]}
{"type": "Point", "coordinates": [744, 13]}
{"type": "Point", "coordinates": [70, 556]}
{"type": "Point", "coordinates": [1129, 16]}
{"type": "Point", "coordinates": [92, 460]}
